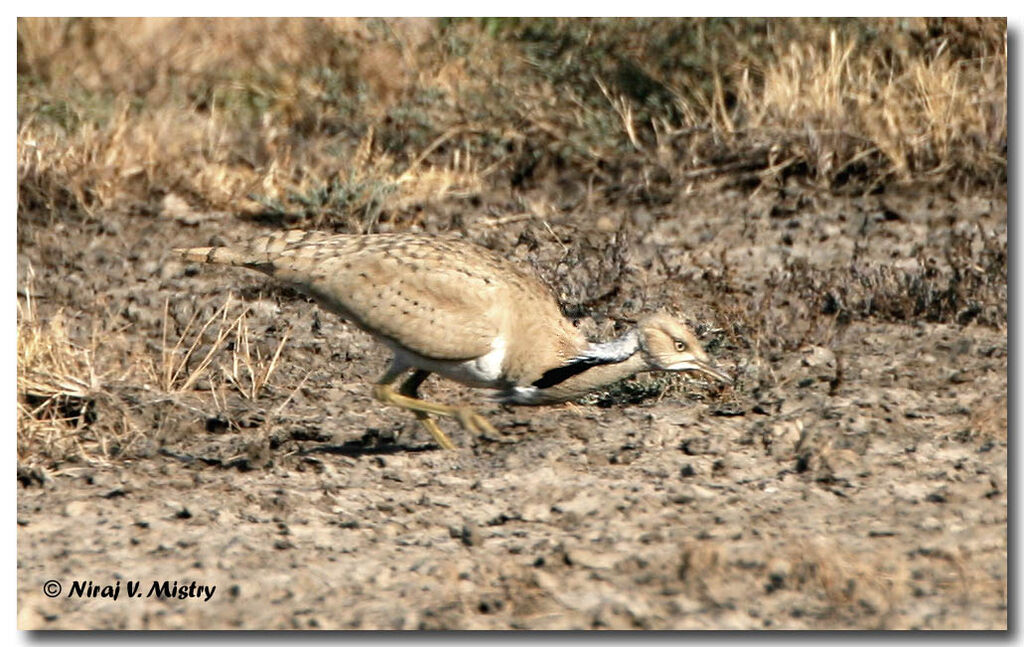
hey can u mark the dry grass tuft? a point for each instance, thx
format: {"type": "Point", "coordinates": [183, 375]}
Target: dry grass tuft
{"type": "Point", "coordinates": [841, 112]}
{"type": "Point", "coordinates": [851, 584]}
{"type": "Point", "coordinates": [989, 420]}
{"type": "Point", "coordinates": [78, 402]}
{"type": "Point", "coordinates": [60, 396]}
{"type": "Point", "coordinates": [228, 113]}
{"type": "Point", "coordinates": [353, 123]}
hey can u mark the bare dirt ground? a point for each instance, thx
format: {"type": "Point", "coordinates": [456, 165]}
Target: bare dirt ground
{"type": "Point", "coordinates": [853, 477]}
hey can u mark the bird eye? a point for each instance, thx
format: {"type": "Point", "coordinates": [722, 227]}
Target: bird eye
{"type": "Point", "coordinates": [680, 346]}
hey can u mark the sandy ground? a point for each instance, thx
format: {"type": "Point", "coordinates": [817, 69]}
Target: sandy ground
{"type": "Point", "coordinates": [853, 477]}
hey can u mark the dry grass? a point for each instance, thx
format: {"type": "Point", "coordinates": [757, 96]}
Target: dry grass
{"type": "Point", "coordinates": [56, 382]}
{"type": "Point", "coordinates": [78, 402]}
{"type": "Point", "coordinates": [989, 420]}
{"type": "Point", "coordinates": [842, 112]}
{"type": "Point", "coordinates": [352, 122]}
{"type": "Point", "coordinates": [832, 582]}
{"type": "Point", "coordinates": [851, 584]}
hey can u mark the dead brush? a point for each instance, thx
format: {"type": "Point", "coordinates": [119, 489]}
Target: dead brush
{"type": "Point", "coordinates": [846, 111]}
{"type": "Point", "coordinates": [80, 402]}
{"type": "Point", "coordinates": [175, 372]}
{"type": "Point", "coordinates": [273, 115]}
{"type": "Point", "coordinates": [375, 188]}
{"type": "Point", "coordinates": [65, 411]}
{"type": "Point", "coordinates": [969, 287]}
{"type": "Point", "coordinates": [198, 352]}
{"type": "Point", "coordinates": [250, 370]}
{"type": "Point", "coordinates": [849, 583]}
{"type": "Point", "coordinates": [805, 305]}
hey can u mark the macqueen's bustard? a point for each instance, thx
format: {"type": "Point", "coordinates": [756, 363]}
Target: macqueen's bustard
{"type": "Point", "coordinates": [447, 306]}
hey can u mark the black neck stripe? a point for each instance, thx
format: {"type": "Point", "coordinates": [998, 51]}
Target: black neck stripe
{"type": "Point", "coordinates": [562, 373]}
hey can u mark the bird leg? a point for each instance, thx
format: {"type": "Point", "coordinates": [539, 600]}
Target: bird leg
{"type": "Point", "coordinates": [406, 398]}
{"type": "Point", "coordinates": [409, 389]}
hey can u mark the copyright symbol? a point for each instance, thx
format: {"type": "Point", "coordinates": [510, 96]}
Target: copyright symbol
{"type": "Point", "coordinates": [51, 588]}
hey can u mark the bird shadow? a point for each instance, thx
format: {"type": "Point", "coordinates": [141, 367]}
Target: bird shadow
{"type": "Point", "coordinates": [357, 449]}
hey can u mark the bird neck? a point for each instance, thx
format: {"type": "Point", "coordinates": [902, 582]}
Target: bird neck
{"type": "Point", "coordinates": [599, 365]}
{"type": "Point", "coordinates": [614, 351]}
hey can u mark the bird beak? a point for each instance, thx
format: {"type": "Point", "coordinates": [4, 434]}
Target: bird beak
{"type": "Point", "coordinates": [708, 368]}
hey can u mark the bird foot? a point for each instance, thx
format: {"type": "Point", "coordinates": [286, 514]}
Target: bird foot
{"type": "Point", "coordinates": [470, 420]}
{"type": "Point", "coordinates": [474, 423]}
{"type": "Point", "coordinates": [431, 425]}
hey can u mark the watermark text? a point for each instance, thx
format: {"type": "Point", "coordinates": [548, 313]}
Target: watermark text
{"type": "Point", "coordinates": [161, 589]}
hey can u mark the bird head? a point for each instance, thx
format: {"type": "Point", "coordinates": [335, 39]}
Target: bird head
{"type": "Point", "coordinates": [670, 345]}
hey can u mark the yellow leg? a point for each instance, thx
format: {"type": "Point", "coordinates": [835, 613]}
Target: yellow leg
{"type": "Point", "coordinates": [409, 389]}
{"type": "Point", "coordinates": [470, 420]}
{"type": "Point", "coordinates": [431, 425]}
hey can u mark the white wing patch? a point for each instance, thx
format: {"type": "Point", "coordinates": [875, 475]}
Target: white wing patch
{"type": "Point", "coordinates": [489, 367]}
{"type": "Point", "coordinates": [485, 371]}
{"type": "Point", "coordinates": [522, 395]}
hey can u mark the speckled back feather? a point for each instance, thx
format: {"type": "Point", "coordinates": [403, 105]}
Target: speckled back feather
{"type": "Point", "coordinates": [440, 297]}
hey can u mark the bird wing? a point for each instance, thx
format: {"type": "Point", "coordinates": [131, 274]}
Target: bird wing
{"type": "Point", "coordinates": [436, 297]}
{"type": "Point", "coordinates": [434, 311]}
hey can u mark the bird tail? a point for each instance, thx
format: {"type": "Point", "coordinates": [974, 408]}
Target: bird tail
{"type": "Point", "coordinates": [254, 254]}
{"type": "Point", "coordinates": [214, 255]}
